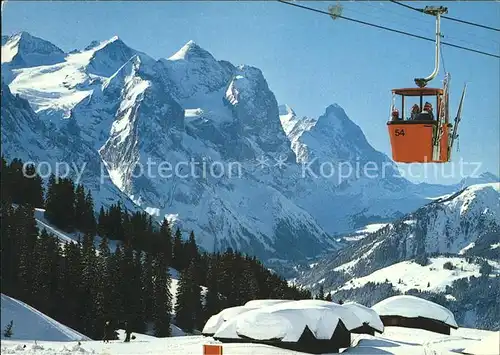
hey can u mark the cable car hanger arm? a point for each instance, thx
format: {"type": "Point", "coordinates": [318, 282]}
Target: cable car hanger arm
{"type": "Point", "coordinates": [435, 11]}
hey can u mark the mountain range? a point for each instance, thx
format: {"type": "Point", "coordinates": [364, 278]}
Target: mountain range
{"type": "Point", "coordinates": [447, 250]}
{"type": "Point", "coordinates": [203, 143]}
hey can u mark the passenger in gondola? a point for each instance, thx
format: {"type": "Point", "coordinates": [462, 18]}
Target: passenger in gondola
{"type": "Point", "coordinates": [426, 114]}
{"type": "Point", "coordinates": [415, 110]}
{"type": "Point", "coordinates": [428, 109]}
{"type": "Point", "coordinates": [395, 115]}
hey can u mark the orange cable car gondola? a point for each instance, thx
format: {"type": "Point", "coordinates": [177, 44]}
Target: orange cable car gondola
{"type": "Point", "coordinates": [423, 138]}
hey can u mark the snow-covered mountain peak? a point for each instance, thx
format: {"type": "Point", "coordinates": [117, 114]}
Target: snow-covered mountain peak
{"type": "Point", "coordinates": [114, 84]}
{"type": "Point", "coordinates": [246, 84]}
{"type": "Point", "coordinates": [286, 110]}
{"type": "Point", "coordinates": [192, 73]}
{"type": "Point", "coordinates": [336, 118]}
{"type": "Point", "coordinates": [191, 51]}
{"type": "Point", "coordinates": [483, 178]}
{"type": "Point", "coordinates": [92, 45]}
{"type": "Point", "coordinates": [109, 56]}
{"type": "Point", "coordinates": [25, 50]}
{"type": "Point", "coordinates": [487, 195]}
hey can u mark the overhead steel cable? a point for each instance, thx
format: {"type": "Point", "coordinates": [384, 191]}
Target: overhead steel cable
{"type": "Point", "coordinates": [447, 17]}
{"type": "Point", "coordinates": [387, 28]}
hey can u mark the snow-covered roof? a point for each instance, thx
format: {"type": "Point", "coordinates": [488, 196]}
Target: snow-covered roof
{"type": "Point", "coordinates": [287, 321]}
{"type": "Point", "coordinates": [215, 321]}
{"type": "Point", "coordinates": [367, 315]}
{"type": "Point", "coordinates": [261, 303]}
{"type": "Point", "coordinates": [412, 307]}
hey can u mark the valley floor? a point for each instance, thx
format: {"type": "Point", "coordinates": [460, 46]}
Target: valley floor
{"type": "Point", "coordinates": [396, 341]}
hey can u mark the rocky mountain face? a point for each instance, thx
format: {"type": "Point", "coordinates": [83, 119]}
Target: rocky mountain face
{"type": "Point", "coordinates": [202, 142]}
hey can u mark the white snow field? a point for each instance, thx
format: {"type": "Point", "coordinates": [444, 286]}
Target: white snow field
{"type": "Point", "coordinates": [434, 277]}
{"type": "Point", "coordinates": [30, 324]}
{"type": "Point", "coordinates": [411, 306]}
{"type": "Point", "coordinates": [394, 340]}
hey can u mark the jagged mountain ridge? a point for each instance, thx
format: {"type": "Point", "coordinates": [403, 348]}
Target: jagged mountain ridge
{"type": "Point", "coordinates": [28, 138]}
{"type": "Point", "coordinates": [122, 107]}
{"type": "Point", "coordinates": [123, 117]}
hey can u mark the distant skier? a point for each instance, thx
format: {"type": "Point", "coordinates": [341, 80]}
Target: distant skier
{"type": "Point", "coordinates": [127, 332]}
{"type": "Point", "coordinates": [107, 327]}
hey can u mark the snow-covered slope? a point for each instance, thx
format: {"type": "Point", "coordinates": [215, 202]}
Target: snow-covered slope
{"type": "Point", "coordinates": [434, 277]}
{"type": "Point", "coordinates": [394, 341]}
{"type": "Point", "coordinates": [36, 334]}
{"type": "Point", "coordinates": [444, 226]}
{"type": "Point", "coordinates": [30, 324]}
{"type": "Point", "coordinates": [200, 141]}
{"type": "Point", "coordinates": [444, 248]}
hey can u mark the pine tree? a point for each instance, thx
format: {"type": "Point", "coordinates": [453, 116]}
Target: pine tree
{"type": "Point", "coordinates": [188, 308]}
{"type": "Point", "coordinates": [26, 234]}
{"type": "Point", "coordinates": [162, 297]}
{"type": "Point", "coordinates": [89, 222]}
{"type": "Point", "coordinates": [51, 203]}
{"type": "Point", "coordinates": [213, 301]}
{"type": "Point", "coordinates": [8, 332]}
{"type": "Point", "coordinates": [165, 237]}
{"type": "Point", "coordinates": [103, 301]}
{"type": "Point", "coordinates": [321, 294]}
{"type": "Point", "coordinates": [60, 203]}
{"type": "Point", "coordinates": [80, 208]}
{"type": "Point", "coordinates": [10, 247]}
{"type": "Point", "coordinates": [102, 225]}
{"type": "Point", "coordinates": [17, 179]}
{"type": "Point", "coordinates": [88, 289]}
{"type": "Point", "coordinates": [179, 257]}
{"type": "Point", "coordinates": [5, 181]}
{"type": "Point", "coordinates": [148, 286]}
{"type": "Point", "coordinates": [32, 187]}
{"type": "Point", "coordinates": [328, 297]}
{"type": "Point", "coordinates": [45, 248]}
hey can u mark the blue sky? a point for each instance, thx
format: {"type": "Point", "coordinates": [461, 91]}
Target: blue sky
{"type": "Point", "coordinates": [309, 60]}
